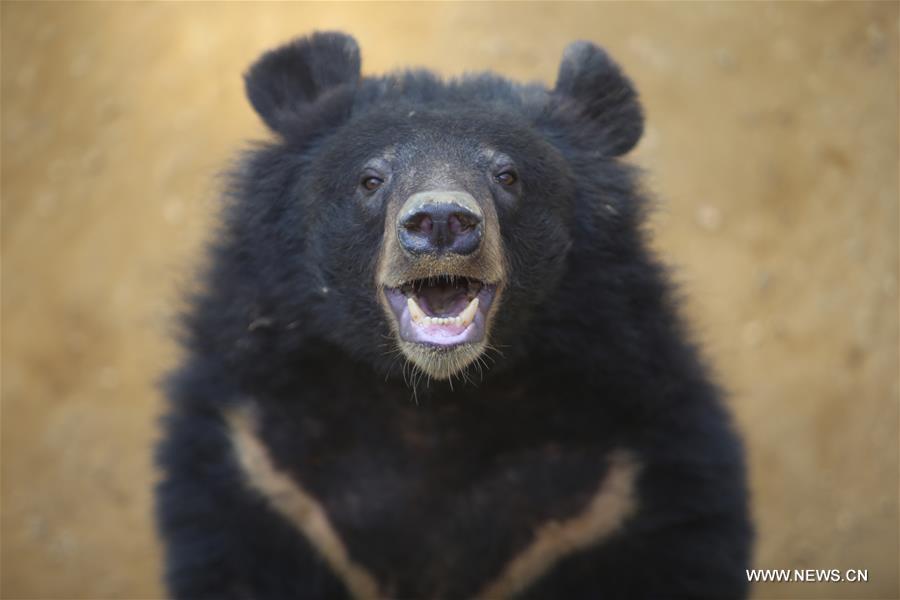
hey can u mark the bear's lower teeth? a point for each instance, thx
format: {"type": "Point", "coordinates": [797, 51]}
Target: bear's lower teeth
{"type": "Point", "coordinates": [463, 319]}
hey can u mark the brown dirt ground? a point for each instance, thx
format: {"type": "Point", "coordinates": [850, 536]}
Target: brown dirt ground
{"type": "Point", "coordinates": [772, 145]}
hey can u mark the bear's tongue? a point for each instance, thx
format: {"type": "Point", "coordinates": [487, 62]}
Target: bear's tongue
{"type": "Point", "coordinates": [454, 323]}
{"type": "Point", "coordinates": [444, 311]}
{"type": "Point", "coordinates": [443, 307]}
{"type": "Point", "coordinates": [443, 299]}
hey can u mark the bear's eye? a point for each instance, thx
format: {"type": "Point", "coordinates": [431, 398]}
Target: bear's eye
{"type": "Point", "coordinates": [506, 178]}
{"type": "Point", "coordinates": [371, 183]}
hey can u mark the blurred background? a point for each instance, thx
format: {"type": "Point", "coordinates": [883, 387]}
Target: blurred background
{"type": "Point", "coordinates": [772, 147]}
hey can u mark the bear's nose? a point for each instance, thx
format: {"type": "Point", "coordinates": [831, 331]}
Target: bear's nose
{"type": "Point", "coordinates": [441, 223]}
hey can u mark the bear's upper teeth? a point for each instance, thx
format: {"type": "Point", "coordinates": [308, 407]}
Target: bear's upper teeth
{"type": "Point", "coordinates": [463, 319]}
{"type": "Point", "coordinates": [415, 312]}
{"type": "Point", "coordinates": [468, 313]}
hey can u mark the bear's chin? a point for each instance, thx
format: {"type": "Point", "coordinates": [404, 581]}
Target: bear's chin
{"type": "Point", "coordinates": [442, 362]}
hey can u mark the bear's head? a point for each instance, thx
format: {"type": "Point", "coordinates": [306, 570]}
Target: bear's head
{"type": "Point", "coordinates": [406, 218]}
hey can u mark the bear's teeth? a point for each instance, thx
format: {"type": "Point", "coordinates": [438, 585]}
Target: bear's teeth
{"type": "Point", "coordinates": [415, 312]}
{"type": "Point", "coordinates": [468, 315]}
{"type": "Point", "coordinates": [463, 319]}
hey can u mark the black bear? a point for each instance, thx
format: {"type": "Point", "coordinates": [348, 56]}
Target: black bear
{"type": "Point", "coordinates": [432, 357]}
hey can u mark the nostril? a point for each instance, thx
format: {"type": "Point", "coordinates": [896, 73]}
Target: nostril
{"type": "Point", "coordinates": [420, 223]}
{"type": "Point", "coordinates": [463, 222]}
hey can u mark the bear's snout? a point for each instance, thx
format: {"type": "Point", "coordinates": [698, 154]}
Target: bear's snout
{"type": "Point", "coordinates": [441, 222]}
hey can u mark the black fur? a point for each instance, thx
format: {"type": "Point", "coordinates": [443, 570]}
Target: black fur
{"type": "Point", "coordinates": [435, 492]}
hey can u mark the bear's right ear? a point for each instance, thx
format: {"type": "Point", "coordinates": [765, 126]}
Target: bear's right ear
{"type": "Point", "coordinates": [285, 80]}
{"type": "Point", "coordinates": [603, 96]}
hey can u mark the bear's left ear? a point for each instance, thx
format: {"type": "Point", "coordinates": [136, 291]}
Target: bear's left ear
{"type": "Point", "coordinates": [284, 81]}
{"type": "Point", "coordinates": [602, 94]}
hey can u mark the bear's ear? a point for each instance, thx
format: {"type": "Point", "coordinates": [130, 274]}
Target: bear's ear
{"type": "Point", "coordinates": [603, 95]}
{"type": "Point", "coordinates": [283, 81]}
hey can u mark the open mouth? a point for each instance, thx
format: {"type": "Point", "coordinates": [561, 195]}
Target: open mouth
{"type": "Point", "coordinates": [443, 311]}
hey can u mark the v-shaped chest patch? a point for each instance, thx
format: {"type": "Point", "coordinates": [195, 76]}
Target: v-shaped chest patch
{"type": "Point", "coordinates": [611, 504]}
